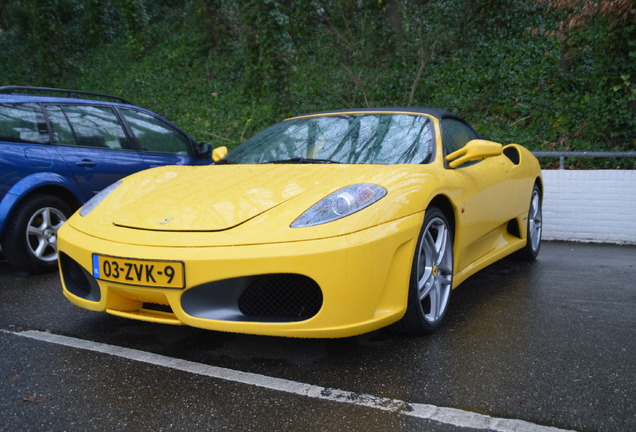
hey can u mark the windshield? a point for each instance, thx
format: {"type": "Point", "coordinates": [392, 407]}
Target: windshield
{"type": "Point", "coordinates": [344, 138]}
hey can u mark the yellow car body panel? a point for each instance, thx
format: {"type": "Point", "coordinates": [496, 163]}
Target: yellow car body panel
{"type": "Point", "coordinates": [227, 222]}
{"type": "Point", "coordinates": [368, 269]}
{"type": "Point", "coordinates": [202, 214]}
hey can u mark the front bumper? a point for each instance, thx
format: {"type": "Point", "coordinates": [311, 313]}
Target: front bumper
{"type": "Point", "coordinates": [351, 284]}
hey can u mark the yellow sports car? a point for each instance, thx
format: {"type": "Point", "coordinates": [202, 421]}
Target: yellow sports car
{"type": "Point", "coordinates": [324, 225]}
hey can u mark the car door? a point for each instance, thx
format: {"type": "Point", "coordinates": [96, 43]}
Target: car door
{"type": "Point", "coordinates": [94, 145]}
{"type": "Point", "coordinates": [24, 145]}
{"type": "Point", "coordinates": [159, 143]}
{"type": "Point", "coordinates": [484, 203]}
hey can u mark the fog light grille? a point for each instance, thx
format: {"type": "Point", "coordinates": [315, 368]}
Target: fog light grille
{"type": "Point", "coordinates": [77, 280]}
{"type": "Point", "coordinates": [282, 296]}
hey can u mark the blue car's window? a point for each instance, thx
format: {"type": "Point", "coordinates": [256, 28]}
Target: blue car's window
{"type": "Point", "coordinates": [22, 123]}
{"type": "Point", "coordinates": [62, 131]}
{"type": "Point", "coordinates": [87, 126]}
{"type": "Point", "coordinates": [353, 139]}
{"type": "Point", "coordinates": [155, 135]}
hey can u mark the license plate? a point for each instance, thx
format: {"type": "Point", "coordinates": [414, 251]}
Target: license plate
{"type": "Point", "coordinates": [148, 273]}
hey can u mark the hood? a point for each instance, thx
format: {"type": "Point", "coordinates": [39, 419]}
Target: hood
{"type": "Point", "coordinates": [247, 204]}
{"type": "Point", "coordinates": [208, 198]}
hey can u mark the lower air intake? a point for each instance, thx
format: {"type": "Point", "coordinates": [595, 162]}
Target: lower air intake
{"type": "Point", "coordinates": [290, 297]}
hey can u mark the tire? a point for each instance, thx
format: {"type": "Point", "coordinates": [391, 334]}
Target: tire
{"type": "Point", "coordinates": [30, 240]}
{"type": "Point", "coordinates": [535, 228]}
{"type": "Point", "coordinates": [431, 279]}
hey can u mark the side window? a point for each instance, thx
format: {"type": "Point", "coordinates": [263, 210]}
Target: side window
{"type": "Point", "coordinates": [87, 126]}
{"type": "Point", "coordinates": [155, 135]}
{"type": "Point", "coordinates": [455, 135]}
{"type": "Point", "coordinates": [23, 123]}
{"type": "Point", "coordinates": [62, 131]}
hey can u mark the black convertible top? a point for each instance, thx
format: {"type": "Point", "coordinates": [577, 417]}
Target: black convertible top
{"type": "Point", "coordinates": [435, 112]}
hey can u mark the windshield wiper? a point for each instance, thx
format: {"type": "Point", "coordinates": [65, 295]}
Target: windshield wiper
{"type": "Point", "coordinates": [299, 160]}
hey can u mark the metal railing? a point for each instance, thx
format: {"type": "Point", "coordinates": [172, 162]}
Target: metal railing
{"type": "Point", "coordinates": [562, 155]}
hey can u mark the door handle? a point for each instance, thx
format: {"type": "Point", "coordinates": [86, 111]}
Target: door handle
{"type": "Point", "coordinates": [86, 163]}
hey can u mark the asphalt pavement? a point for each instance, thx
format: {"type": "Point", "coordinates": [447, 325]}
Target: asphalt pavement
{"type": "Point", "coordinates": [526, 346]}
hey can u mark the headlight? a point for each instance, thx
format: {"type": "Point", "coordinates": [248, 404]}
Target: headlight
{"type": "Point", "coordinates": [339, 204]}
{"type": "Point", "coordinates": [99, 197]}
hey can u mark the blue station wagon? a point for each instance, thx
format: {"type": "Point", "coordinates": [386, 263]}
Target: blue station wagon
{"type": "Point", "coordinates": [58, 148]}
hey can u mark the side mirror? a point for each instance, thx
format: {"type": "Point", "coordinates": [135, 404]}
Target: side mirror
{"type": "Point", "coordinates": [219, 153]}
{"type": "Point", "coordinates": [474, 150]}
{"type": "Point", "coordinates": [204, 149]}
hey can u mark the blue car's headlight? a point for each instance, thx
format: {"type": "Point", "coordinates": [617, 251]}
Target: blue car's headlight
{"type": "Point", "coordinates": [99, 197]}
{"type": "Point", "coordinates": [339, 204]}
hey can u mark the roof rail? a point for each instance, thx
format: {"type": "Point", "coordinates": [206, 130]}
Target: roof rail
{"type": "Point", "coordinates": [69, 93]}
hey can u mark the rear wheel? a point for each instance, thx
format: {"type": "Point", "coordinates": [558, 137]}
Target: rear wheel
{"type": "Point", "coordinates": [30, 240]}
{"type": "Point", "coordinates": [431, 276]}
{"type": "Point", "coordinates": [535, 228]}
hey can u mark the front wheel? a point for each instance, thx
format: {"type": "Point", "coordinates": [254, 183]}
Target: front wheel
{"type": "Point", "coordinates": [30, 240]}
{"type": "Point", "coordinates": [431, 276]}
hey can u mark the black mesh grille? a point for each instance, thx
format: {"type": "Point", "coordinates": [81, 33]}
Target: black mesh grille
{"type": "Point", "coordinates": [77, 280]}
{"type": "Point", "coordinates": [284, 296]}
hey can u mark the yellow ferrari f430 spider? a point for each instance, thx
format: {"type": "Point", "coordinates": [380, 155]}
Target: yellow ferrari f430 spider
{"type": "Point", "coordinates": [324, 225]}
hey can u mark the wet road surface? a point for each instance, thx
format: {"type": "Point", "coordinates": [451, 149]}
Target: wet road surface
{"type": "Point", "coordinates": [544, 344]}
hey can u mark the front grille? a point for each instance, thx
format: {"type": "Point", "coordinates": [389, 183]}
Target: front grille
{"type": "Point", "coordinates": [157, 307]}
{"type": "Point", "coordinates": [291, 297]}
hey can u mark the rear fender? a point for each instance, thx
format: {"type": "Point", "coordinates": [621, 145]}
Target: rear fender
{"type": "Point", "coordinates": [44, 181]}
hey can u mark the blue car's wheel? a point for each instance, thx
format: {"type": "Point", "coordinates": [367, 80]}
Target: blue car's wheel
{"type": "Point", "coordinates": [30, 240]}
{"type": "Point", "coordinates": [431, 276]}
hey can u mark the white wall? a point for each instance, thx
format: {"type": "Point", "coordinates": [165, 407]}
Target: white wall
{"type": "Point", "coordinates": [593, 206]}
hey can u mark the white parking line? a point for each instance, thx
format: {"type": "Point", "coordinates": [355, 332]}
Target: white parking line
{"type": "Point", "coordinates": [450, 416]}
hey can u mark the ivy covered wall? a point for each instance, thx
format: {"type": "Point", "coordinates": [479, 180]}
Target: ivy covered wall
{"type": "Point", "coordinates": [549, 74]}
